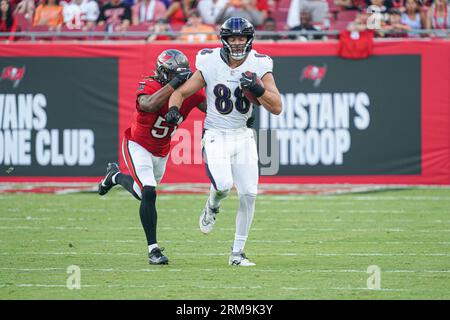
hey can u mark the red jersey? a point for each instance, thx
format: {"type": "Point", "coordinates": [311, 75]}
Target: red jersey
{"type": "Point", "coordinates": [150, 129]}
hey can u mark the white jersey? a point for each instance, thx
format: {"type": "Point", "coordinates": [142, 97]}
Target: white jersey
{"type": "Point", "coordinates": [76, 15]}
{"type": "Point", "coordinates": [226, 106]}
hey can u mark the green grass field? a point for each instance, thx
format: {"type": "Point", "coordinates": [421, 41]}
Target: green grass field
{"type": "Point", "coordinates": [305, 247]}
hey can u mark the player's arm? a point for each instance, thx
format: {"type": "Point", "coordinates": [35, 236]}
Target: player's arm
{"type": "Point", "coordinates": [154, 102]}
{"type": "Point", "coordinates": [271, 99]}
{"type": "Point", "coordinates": [190, 87]}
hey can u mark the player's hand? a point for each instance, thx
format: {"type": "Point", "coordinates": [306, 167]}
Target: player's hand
{"type": "Point", "coordinates": [248, 82]}
{"type": "Point", "coordinates": [173, 115]}
{"type": "Point", "coordinates": [185, 74]}
{"type": "Point", "coordinates": [250, 122]}
{"type": "Point", "coordinates": [180, 78]}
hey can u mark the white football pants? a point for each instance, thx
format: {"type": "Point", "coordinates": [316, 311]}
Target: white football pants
{"type": "Point", "coordinates": [231, 157]}
{"type": "Point", "coordinates": [145, 168]}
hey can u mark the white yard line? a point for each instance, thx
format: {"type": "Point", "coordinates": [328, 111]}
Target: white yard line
{"type": "Point", "coordinates": [352, 289]}
{"type": "Point", "coordinates": [354, 254]}
{"type": "Point", "coordinates": [28, 285]}
{"type": "Point", "coordinates": [44, 227]}
{"type": "Point", "coordinates": [296, 242]}
{"type": "Point", "coordinates": [353, 197]}
{"type": "Point", "coordinates": [214, 270]}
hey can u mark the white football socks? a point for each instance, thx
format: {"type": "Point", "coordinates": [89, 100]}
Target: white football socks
{"type": "Point", "coordinates": [152, 246]}
{"type": "Point", "coordinates": [244, 220]}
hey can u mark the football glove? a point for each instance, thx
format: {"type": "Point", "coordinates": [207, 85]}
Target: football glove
{"type": "Point", "coordinates": [180, 78]}
{"type": "Point", "coordinates": [249, 82]}
{"type": "Point", "coordinates": [173, 115]}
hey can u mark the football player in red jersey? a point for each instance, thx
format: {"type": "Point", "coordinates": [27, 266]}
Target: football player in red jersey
{"type": "Point", "coordinates": [146, 143]}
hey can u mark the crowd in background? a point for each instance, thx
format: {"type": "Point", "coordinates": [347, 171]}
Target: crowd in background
{"type": "Point", "coordinates": [399, 17]}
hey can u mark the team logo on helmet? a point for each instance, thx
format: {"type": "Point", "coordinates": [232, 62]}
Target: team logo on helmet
{"type": "Point", "coordinates": [13, 74]}
{"type": "Point", "coordinates": [169, 63]}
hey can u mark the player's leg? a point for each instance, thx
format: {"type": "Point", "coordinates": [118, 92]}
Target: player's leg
{"type": "Point", "coordinates": [127, 182]}
{"type": "Point", "coordinates": [114, 177]}
{"type": "Point", "coordinates": [140, 164]}
{"type": "Point", "coordinates": [218, 169]}
{"type": "Point", "coordinates": [159, 167]}
{"type": "Point", "coordinates": [245, 174]}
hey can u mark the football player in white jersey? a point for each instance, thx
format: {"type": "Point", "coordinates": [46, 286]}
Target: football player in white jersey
{"type": "Point", "coordinates": [229, 147]}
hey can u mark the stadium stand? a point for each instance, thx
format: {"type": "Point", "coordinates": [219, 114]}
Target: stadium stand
{"type": "Point", "coordinates": [337, 20]}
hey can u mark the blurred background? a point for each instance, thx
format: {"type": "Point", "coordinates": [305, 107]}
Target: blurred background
{"type": "Point", "coordinates": [365, 86]}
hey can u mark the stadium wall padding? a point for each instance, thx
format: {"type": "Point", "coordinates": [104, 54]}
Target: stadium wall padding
{"type": "Point", "coordinates": [386, 119]}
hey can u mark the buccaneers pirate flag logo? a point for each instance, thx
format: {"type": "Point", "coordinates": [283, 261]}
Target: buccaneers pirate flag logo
{"type": "Point", "coordinates": [314, 73]}
{"type": "Point", "coordinates": [13, 74]}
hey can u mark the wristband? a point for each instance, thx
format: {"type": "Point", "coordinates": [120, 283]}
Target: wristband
{"type": "Point", "coordinates": [258, 90]}
{"type": "Point", "coordinates": [175, 83]}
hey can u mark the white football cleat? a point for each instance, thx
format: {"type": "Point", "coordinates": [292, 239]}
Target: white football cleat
{"type": "Point", "coordinates": [240, 259]}
{"type": "Point", "coordinates": [208, 218]}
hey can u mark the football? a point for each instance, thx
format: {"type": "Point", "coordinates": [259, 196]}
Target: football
{"type": "Point", "coordinates": [247, 93]}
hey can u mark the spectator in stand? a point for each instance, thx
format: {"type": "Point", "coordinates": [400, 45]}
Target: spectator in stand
{"type": "Point", "coordinates": [13, 4]}
{"type": "Point", "coordinates": [351, 4]}
{"type": "Point", "coordinates": [7, 21]}
{"type": "Point", "coordinates": [162, 25]}
{"type": "Point", "coordinates": [244, 9]}
{"type": "Point", "coordinates": [167, 3]}
{"type": "Point", "coordinates": [195, 30]}
{"type": "Point", "coordinates": [305, 25]}
{"type": "Point", "coordinates": [115, 16]}
{"type": "Point", "coordinates": [270, 25]}
{"type": "Point", "coordinates": [360, 22]}
{"type": "Point", "coordinates": [427, 3]}
{"type": "Point", "coordinates": [395, 27]}
{"type": "Point", "coordinates": [439, 15]}
{"type": "Point", "coordinates": [413, 15]}
{"type": "Point", "coordinates": [178, 12]}
{"type": "Point", "coordinates": [210, 10]}
{"type": "Point", "coordinates": [378, 11]}
{"type": "Point", "coordinates": [26, 8]}
{"type": "Point", "coordinates": [81, 14]}
{"type": "Point", "coordinates": [147, 11]}
{"type": "Point", "coordinates": [49, 13]}
{"type": "Point", "coordinates": [383, 6]}
{"type": "Point", "coordinates": [129, 3]}
{"type": "Point", "coordinates": [263, 7]}
{"type": "Point", "coordinates": [318, 8]}
{"type": "Point", "coordinates": [398, 4]}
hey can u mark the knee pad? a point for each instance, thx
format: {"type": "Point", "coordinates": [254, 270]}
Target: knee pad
{"type": "Point", "coordinates": [148, 193]}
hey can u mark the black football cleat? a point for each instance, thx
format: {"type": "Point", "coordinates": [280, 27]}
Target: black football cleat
{"type": "Point", "coordinates": [106, 184]}
{"type": "Point", "coordinates": [156, 257]}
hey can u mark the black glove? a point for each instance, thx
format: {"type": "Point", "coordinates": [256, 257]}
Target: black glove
{"type": "Point", "coordinates": [249, 82]}
{"type": "Point", "coordinates": [250, 122]}
{"type": "Point", "coordinates": [180, 78]}
{"type": "Point", "coordinates": [173, 115]}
